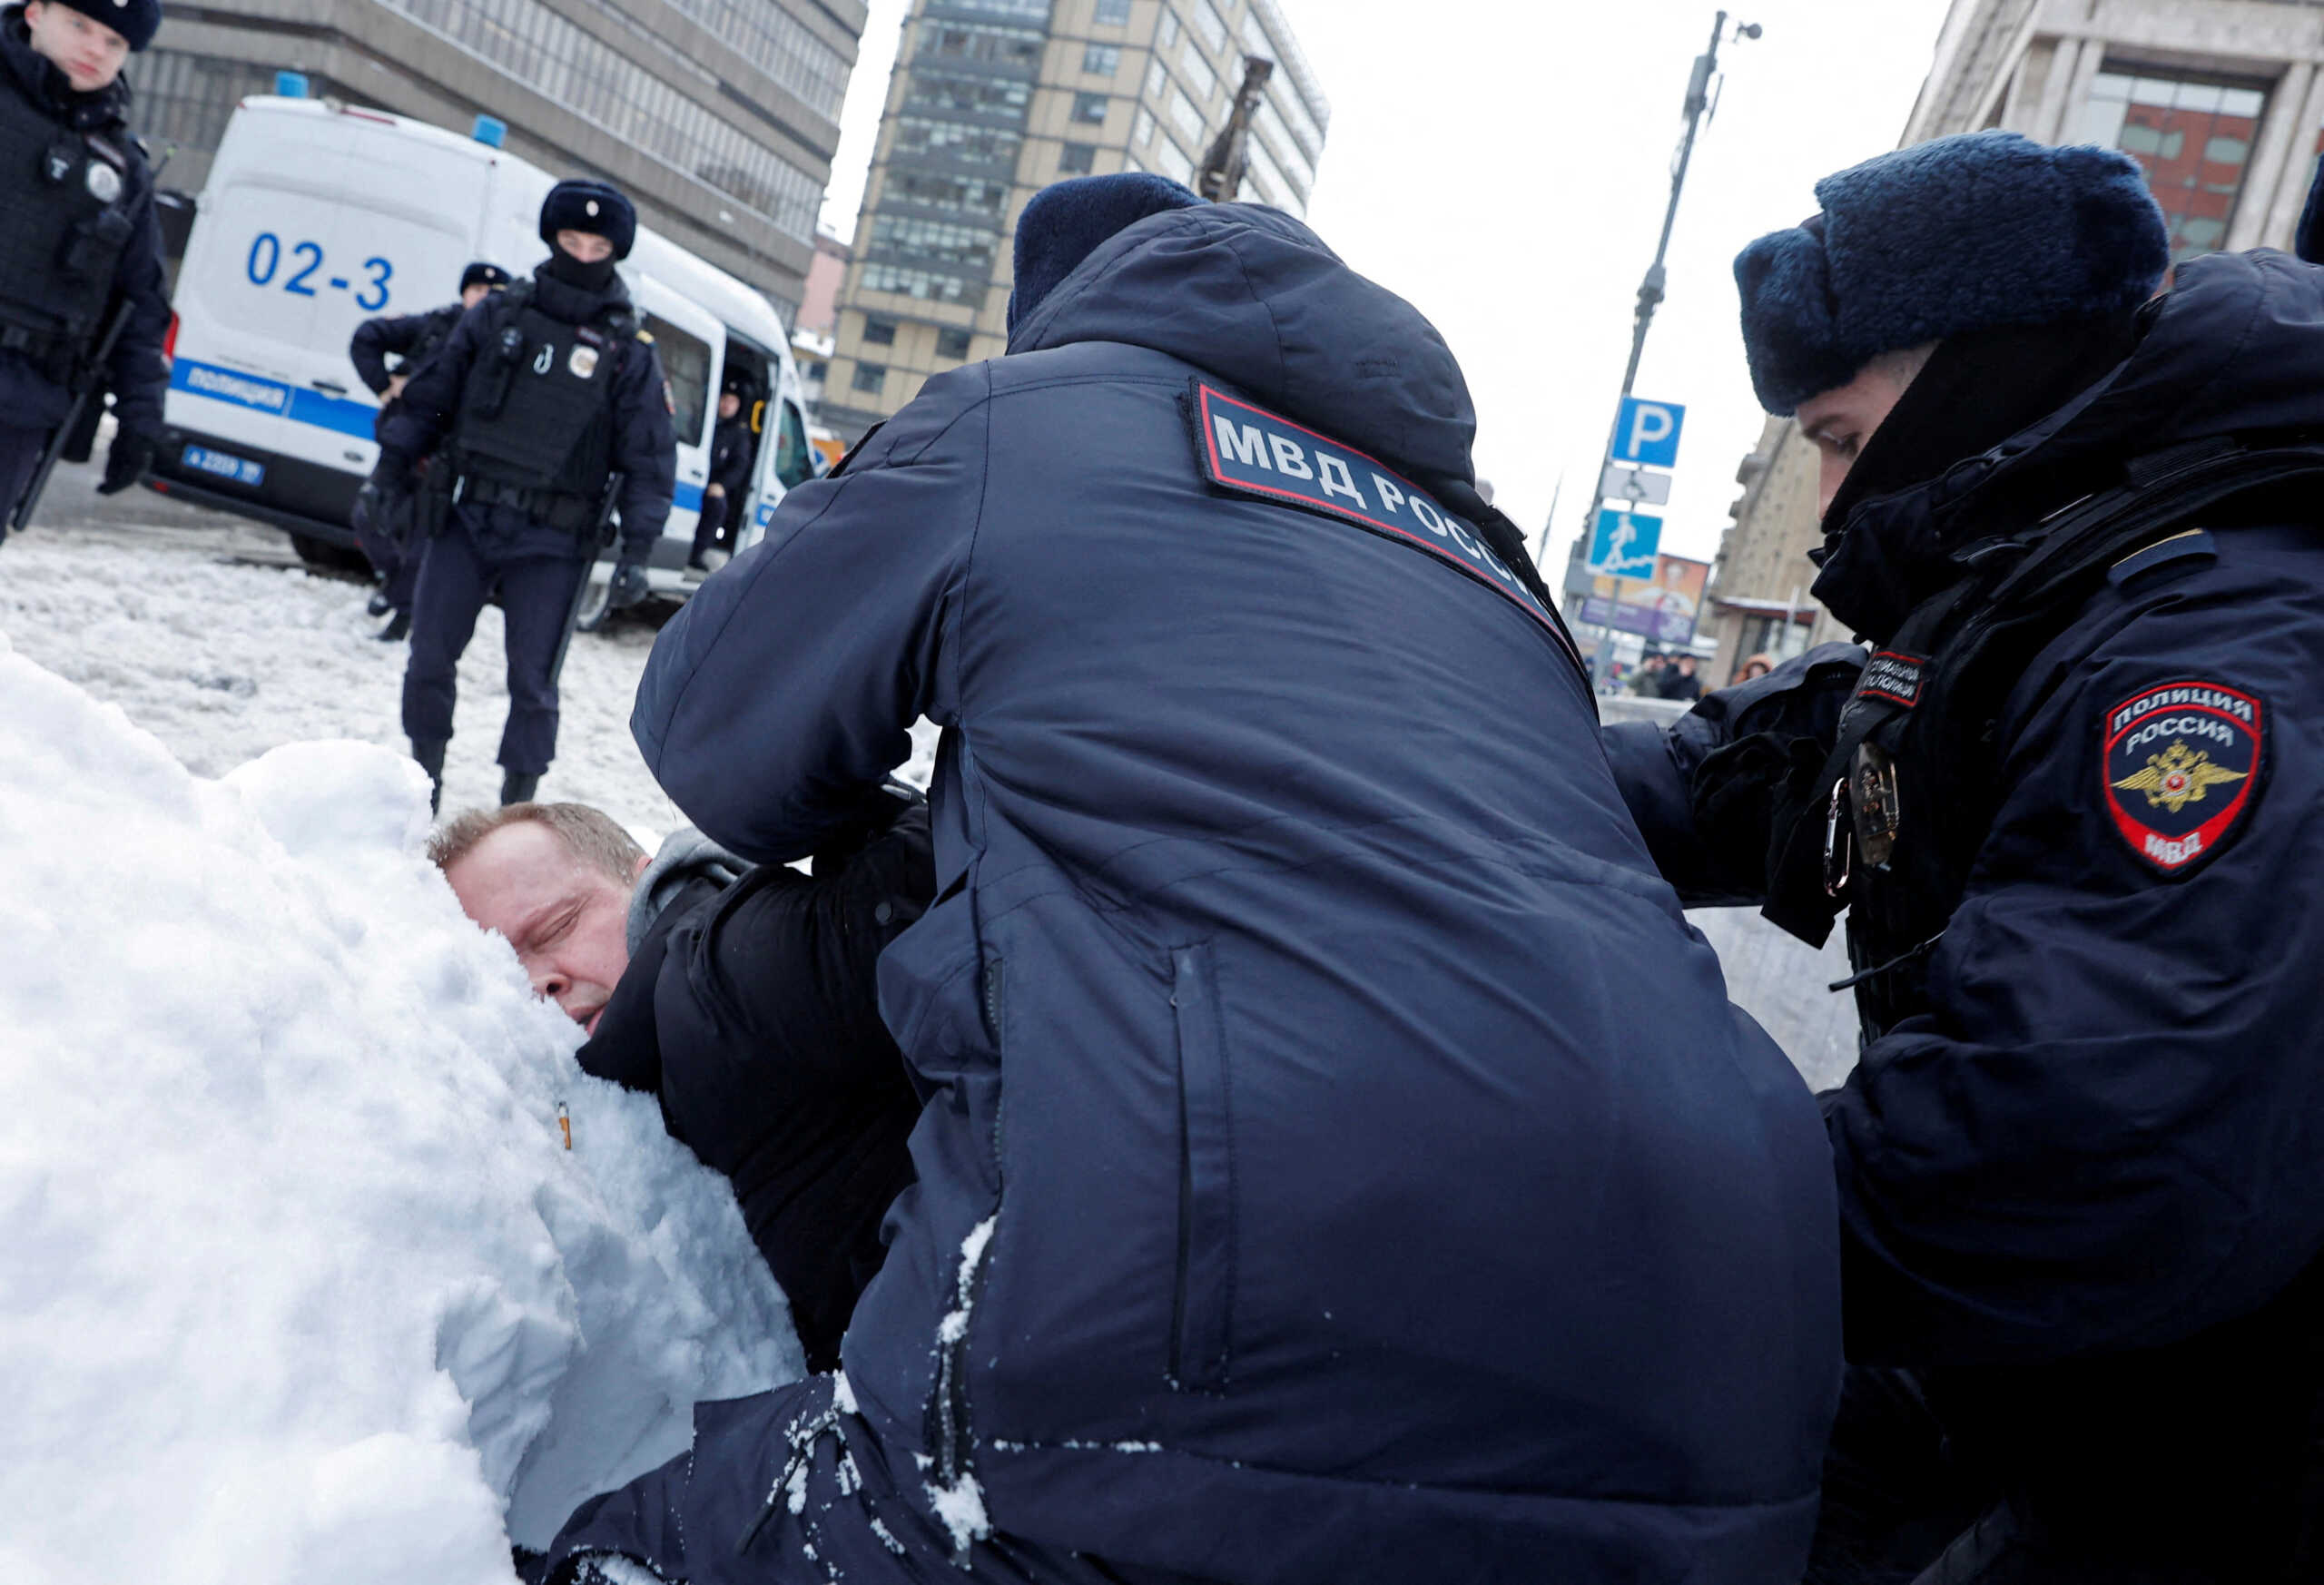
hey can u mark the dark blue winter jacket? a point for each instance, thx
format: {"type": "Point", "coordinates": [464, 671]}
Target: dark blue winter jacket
{"type": "Point", "coordinates": [2107, 1133]}
{"type": "Point", "coordinates": [1340, 1162]}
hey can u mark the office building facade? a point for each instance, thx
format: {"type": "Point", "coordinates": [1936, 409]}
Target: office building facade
{"type": "Point", "coordinates": [719, 117]}
{"type": "Point", "coordinates": [993, 100]}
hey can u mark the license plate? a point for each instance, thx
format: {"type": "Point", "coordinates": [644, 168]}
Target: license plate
{"type": "Point", "coordinates": [240, 470]}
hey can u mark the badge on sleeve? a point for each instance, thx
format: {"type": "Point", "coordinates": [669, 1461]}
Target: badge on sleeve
{"type": "Point", "coordinates": [2180, 761]}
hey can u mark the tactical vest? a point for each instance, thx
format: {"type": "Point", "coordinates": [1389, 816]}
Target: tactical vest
{"type": "Point", "coordinates": [64, 200]}
{"type": "Point", "coordinates": [535, 429]}
{"type": "Point", "coordinates": [1908, 795]}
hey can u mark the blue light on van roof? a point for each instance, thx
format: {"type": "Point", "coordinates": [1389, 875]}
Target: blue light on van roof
{"type": "Point", "coordinates": [490, 131]}
{"type": "Point", "coordinates": [291, 84]}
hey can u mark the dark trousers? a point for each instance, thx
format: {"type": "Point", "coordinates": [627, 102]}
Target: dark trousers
{"type": "Point", "coordinates": [711, 528]}
{"type": "Point", "coordinates": [20, 453]}
{"type": "Point", "coordinates": [456, 577]}
{"type": "Point", "coordinates": [2191, 1464]}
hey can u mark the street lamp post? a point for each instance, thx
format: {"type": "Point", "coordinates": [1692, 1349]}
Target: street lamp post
{"type": "Point", "coordinates": [1650, 290]}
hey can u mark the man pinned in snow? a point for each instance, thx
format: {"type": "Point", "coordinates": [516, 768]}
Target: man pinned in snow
{"type": "Point", "coordinates": [84, 246]}
{"type": "Point", "coordinates": [743, 997]}
{"type": "Point", "coordinates": [411, 339]}
{"type": "Point", "coordinates": [546, 395]}
{"type": "Point", "coordinates": [2071, 807]}
{"type": "Point", "coordinates": [1310, 1187]}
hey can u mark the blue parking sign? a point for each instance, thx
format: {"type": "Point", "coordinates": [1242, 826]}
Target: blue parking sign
{"type": "Point", "coordinates": [1647, 432]}
{"type": "Point", "coordinates": [1622, 544]}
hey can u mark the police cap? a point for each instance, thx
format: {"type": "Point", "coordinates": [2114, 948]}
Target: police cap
{"type": "Point", "coordinates": [589, 206]}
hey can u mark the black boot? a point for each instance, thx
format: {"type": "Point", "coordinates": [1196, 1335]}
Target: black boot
{"type": "Point", "coordinates": [430, 757]}
{"type": "Point", "coordinates": [398, 629]}
{"type": "Point", "coordinates": [516, 787]}
{"type": "Point", "coordinates": [378, 608]}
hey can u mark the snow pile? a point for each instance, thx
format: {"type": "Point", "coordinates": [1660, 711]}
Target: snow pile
{"type": "Point", "coordinates": [302, 1283]}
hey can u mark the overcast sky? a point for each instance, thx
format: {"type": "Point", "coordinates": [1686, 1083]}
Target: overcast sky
{"type": "Point", "coordinates": [1505, 165]}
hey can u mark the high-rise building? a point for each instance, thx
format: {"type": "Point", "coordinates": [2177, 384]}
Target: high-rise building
{"type": "Point", "coordinates": [2221, 102]}
{"type": "Point", "coordinates": [718, 117]}
{"type": "Point", "coordinates": [993, 100]}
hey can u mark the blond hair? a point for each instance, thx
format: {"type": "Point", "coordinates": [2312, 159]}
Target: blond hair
{"type": "Point", "coordinates": [590, 835]}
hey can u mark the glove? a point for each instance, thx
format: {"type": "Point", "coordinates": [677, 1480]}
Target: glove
{"type": "Point", "coordinates": [125, 464]}
{"type": "Point", "coordinates": [628, 585]}
{"type": "Point", "coordinates": [390, 477]}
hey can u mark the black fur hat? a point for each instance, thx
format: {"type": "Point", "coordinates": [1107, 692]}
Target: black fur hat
{"type": "Point", "coordinates": [589, 206]}
{"type": "Point", "coordinates": [1961, 233]}
{"type": "Point", "coordinates": [134, 20]}
{"type": "Point", "coordinates": [483, 273]}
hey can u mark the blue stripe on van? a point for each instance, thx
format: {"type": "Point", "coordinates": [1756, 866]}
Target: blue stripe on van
{"type": "Point", "coordinates": [258, 394]}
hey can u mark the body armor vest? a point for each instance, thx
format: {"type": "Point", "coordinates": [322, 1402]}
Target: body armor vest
{"type": "Point", "coordinates": [1909, 793]}
{"type": "Point", "coordinates": [65, 201]}
{"type": "Point", "coordinates": [536, 419]}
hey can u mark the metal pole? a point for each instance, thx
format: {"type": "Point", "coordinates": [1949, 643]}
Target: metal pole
{"type": "Point", "coordinates": [1650, 290]}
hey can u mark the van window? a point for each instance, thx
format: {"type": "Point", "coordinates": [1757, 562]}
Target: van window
{"type": "Point", "coordinates": [686, 360]}
{"type": "Point", "coordinates": [794, 459]}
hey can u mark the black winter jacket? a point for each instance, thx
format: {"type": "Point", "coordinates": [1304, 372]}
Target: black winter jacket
{"type": "Point", "coordinates": [751, 1010]}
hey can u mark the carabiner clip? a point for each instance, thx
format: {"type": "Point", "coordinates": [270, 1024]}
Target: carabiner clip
{"type": "Point", "coordinates": [1839, 842]}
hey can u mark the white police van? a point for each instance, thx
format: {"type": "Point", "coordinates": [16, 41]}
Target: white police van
{"type": "Point", "coordinates": [317, 217]}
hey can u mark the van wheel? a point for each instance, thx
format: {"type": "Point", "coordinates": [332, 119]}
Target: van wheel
{"type": "Point", "coordinates": [594, 606]}
{"type": "Point", "coordinates": [324, 556]}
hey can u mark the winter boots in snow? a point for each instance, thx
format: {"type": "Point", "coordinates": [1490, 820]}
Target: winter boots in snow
{"type": "Point", "coordinates": [430, 759]}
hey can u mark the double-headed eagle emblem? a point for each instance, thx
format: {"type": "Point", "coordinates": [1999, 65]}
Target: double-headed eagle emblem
{"type": "Point", "coordinates": [2177, 777]}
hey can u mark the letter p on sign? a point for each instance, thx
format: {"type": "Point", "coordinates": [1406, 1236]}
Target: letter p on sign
{"type": "Point", "coordinates": [1647, 432]}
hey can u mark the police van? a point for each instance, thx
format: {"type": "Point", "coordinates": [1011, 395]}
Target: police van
{"type": "Point", "coordinates": [318, 216]}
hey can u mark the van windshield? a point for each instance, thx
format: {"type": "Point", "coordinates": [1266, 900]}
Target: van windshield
{"type": "Point", "coordinates": [686, 360]}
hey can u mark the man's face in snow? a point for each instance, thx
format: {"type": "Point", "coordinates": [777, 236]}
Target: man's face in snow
{"type": "Point", "coordinates": [86, 51]}
{"type": "Point", "coordinates": [568, 918]}
{"type": "Point", "coordinates": [1841, 421]}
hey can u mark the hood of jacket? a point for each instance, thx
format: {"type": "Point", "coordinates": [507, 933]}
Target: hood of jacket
{"type": "Point", "coordinates": [37, 78]}
{"type": "Point", "coordinates": [686, 856]}
{"type": "Point", "coordinates": [1251, 295]}
{"type": "Point", "coordinates": [2232, 350]}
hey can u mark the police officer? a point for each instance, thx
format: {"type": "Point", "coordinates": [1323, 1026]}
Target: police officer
{"type": "Point", "coordinates": [2071, 806]}
{"type": "Point", "coordinates": [543, 395]}
{"type": "Point", "coordinates": [411, 339]}
{"type": "Point", "coordinates": [730, 471]}
{"type": "Point", "coordinates": [82, 244]}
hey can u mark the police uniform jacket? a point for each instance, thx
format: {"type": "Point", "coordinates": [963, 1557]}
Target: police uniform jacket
{"type": "Point", "coordinates": [730, 457]}
{"type": "Point", "coordinates": [642, 446]}
{"type": "Point", "coordinates": [2096, 1124]}
{"type": "Point", "coordinates": [1310, 1189]}
{"type": "Point", "coordinates": [34, 393]}
{"type": "Point", "coordinates": [408, 336]}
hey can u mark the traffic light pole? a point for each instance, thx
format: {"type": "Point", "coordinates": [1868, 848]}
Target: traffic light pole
{"type": "Point", "coordinates": [1650, 290]}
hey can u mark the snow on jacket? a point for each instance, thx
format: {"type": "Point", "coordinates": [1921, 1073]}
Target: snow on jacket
{"type": "Point", "coordinates": [2107, 1133]}
{"type": "Point", "coordinates": [1311, 1186]}
{"type": "Point", "coordinates": [750, 1009]}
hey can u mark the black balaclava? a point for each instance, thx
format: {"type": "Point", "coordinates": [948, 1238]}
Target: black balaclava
{"type": "Point", "coordinates": [563, 266]}
{"type": "Point", "coordinates": [1977, 390]}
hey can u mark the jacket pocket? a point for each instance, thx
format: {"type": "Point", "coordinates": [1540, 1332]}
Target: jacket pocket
{"type": "Point", "coordinates": [1204, 1290]}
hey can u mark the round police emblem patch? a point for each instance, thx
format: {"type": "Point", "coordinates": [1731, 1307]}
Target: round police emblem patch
{"type": "Point", "coordinates": [105, 181]}
{"type": "Point", "coordinates": [2182, 769]}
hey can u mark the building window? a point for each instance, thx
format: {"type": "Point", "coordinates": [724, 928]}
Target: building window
{"type": "Point", "coordinates": [1186, 115]}
{"type": "Point", "coordinates": [1037, 10]}
{"type": "Point", "coordinates": [952, 344]}
{"type": "Point", "coordinates": [871, 379]}
{"type": "Point", "coordinates": [1112, 13]}
{"type": "Point", "coordinates": [1090, 107]}
{"type": "Point", "coordinates": [1101, 60]}
{"type": "Point", "coordinates": [572, 67]}
{"type": "Point", "coordinates": [974, 95]}
{"type": "Point", "coordinates": [1166, 33]}
{"type": "Point", "coordinates": [1174, 162]}
{"type": "Point", "coordinates": [960, 195]}
{"type": "Point", "coordinates": [778, 43]}
{"type": "Point", "coordinates": [1141, 128]}
{"type": "Point", "coordinates": [1077, 159]}
{"type": "Point", "coordinates": [974, 40]}
{"type": "Point", "coordinates": [1197, 71]}
{"type": "Point", "coordinates": [924, 284]}
{"type": "Point", "coordinates": [950, 241]}
{"type": "Point", "coordinates": [879, 332]}
{"type": "Point", "coordinates": [1158, 81]}
{"type": "Point", "coordinates": [981, 145]}
{"type": "Point", "coordinates": [819, 371]}
{"type": "Point", "coordinates": [2192, 138]}
{"type": "Point", "coordinates": [1207, 24]}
